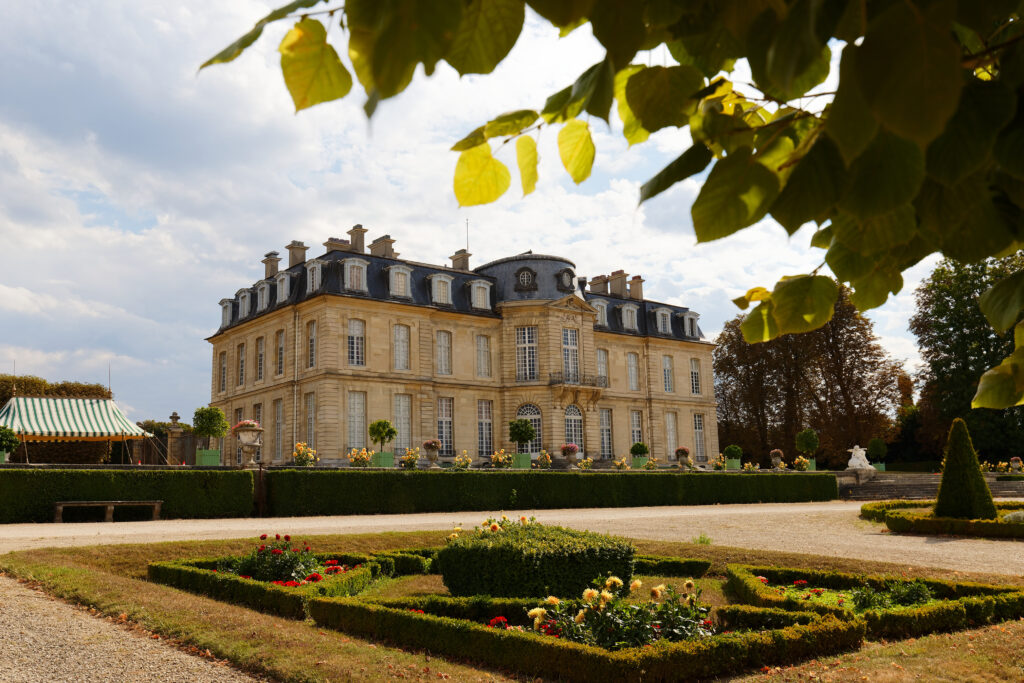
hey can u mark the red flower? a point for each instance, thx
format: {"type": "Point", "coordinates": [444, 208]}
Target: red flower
{"type": "Point", "coordinates": [244, 576]}
{"type": "Point", "coordinates": [287, 537]}
{"type": "Point", "coordinates": [799, 582]}
{"type": "Point", "coordinates": [214, 571]}
{"type": "Point", "coordinates": [277, 551]}
{"type": "Point", "coordinates": [498, 622]}
{"type": "Point", "coordinates": [331, 563]}
{"type": "Point", "coordinates": [261, 548]}
{"type": "Point", "coordinates": [263, 537]}
{"type": "Point", "coordinates": [314, 577]}
{"type": "Point", "coordinates": [417, 611]}
{"type": "Point", "coordinates": [306, 548]}
{"type": "Point", "coordinates": [707, 622]}
{"type": "Point", "coordinates": [277, 536]}
{"type": "Point", "coordinates": [295, 550]}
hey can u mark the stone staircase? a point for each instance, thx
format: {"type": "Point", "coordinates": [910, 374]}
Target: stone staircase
{"type": "Point", "coordinates": [917, 486]}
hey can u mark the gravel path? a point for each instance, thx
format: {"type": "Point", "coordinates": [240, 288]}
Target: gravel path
{"type": "Point", "coordinates": [831, 528]}
{"type": "Point", "coordinates": [45, 640]}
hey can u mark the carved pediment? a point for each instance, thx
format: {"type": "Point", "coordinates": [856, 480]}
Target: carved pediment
{"type": "Point", "coordinates": [572, 303]}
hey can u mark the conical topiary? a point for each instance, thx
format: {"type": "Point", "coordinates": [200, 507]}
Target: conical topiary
{"type": "Point", "coordinates": [963, 493]}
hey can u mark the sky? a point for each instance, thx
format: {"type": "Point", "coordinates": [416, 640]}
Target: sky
{"type": "Point", "coordinates": [135, 193]}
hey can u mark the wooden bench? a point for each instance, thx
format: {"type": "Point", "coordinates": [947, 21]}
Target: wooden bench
{"type": "Point", "coordinates": [58, 507]}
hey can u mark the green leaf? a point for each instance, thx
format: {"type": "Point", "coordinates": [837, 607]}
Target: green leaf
{"type": "Point", "coordinates": [474, 139]}
{"type": "Point", "coordinates": [1002, 386]}
{"type": "Point", "coordinates": [813, 187]}
{"type": "Point", "coordinates": [236, 48]}
{"type": "Point", "coordinates": [872, 290]}
{"type": "Point", "coordinates": [846, 264]}
{"type": "Point", "coordinates": [662, 96]}
{"type": "Point", "coordinates": [909, 70]}
{"type": "Point", "coordinates": [312, 70]}
{"type": "Point", "coordinates": [962, 220]}
{"type": "Point", "coordinates": [692, 161]}
{"type": "Point", "coordinates": [1003, 302]}
{"type": "Point", "coordinates": [799, 44]}
{"type": "Point", "coordinates": [759, 325]}
{"type": "Point", "coordinates": [822, 238]}
{"type": "Point", "coordinates": [593, 90]}
{"type": "Point", "coordinates": [632, 129]}
{"type": "Point", "coordinates": [803, 303]}
{"type": "Point", "coordinates": [966, 143]}
{"type": "Point", "coordinates": [479, 177]}
{"type": "Point", "coordinates": [526, 157]}
{"type": "Point", "coordinates": [753, 294]}
{"type": "Point", "coordinates": [888, 174]}
{"type": "Point", "coordinates": [877, 233]}
{"type": "Point", "coordinates": [712, 50]}
{"type": "Point", "coordinates": [576, 149]}
{"type": "Point", "coordinates": [488, 30]}
{"type": "Point", "coordinates": [619, 26]}
{"type": "Point", "coordinates": [510, 123]}
{"type": "Point", "coordinates": [1018, 335]}
{"type": "Point", "coordinates": [736, 194]}
{"type": "Point", "coordinates": [849, 121]}
{"type": "Point", "coordinates": [1009, 148]}
{"type": "Point", "coordinates": [562, 12]}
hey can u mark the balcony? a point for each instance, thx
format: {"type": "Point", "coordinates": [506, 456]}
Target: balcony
{"type": "Point", "coordinates": [600, 381]}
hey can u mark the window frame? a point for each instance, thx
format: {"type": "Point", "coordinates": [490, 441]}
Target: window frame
{"type": "Point", "coordinates": [695, 372]}
{"type": "Point", "coordinates": [483, 356]}
{"type": "Point", "coordinates": [261, 346]}
{"type": "Point", "coordinates": [403, 421]}
{"type": "Point", "coordinates": [279, 351]}
{"type": "Point", "coordinates": [668, 373]}
{"type": "Point", "coordinates": [225, 312]}
{"type": "Point", "coordinates": [401, 359]}
{"type": "Point", "coordinates": [356, 345]}
{"type": "Point", "coordinates": [671, 435]}
{"type": "Point", "coordinates": [222, 370]}
{"type": "Point", "coordinates": [443, 352]}
{"type": "Point", "coordinates": [393, 272]}
{"type": "Point", "coordinates": [476, 287]}
{"type": "Point", "coordinates": [283, 282]}
{"type": "Point", "coordinates": [532, 412]}
{"type": "Point", "coordinates": [633, 370]}
{"type": "Point", "coordinates": [602, 313]}
{"type": "Point", "coordinates": [240, 365]}
{"type": "Point", "coordinates": [309, 407]}
{"type": "Point", "coordinates": [446, 425]}
{"type": "Point", "coordinates": [636, 426]}
{"type": "Point", "coordinates": [484, 427]}
{"type": "Point", "coordinates": [573, 419]}
{"type": "Point", "coordinates": [262, 296]}
{"type": "Point", "coordinates": [311, 344]}
{"type": "Point", "coordinates": [527, 369]}
{"type": "Point", "coordinates": [700, 453]}
{"type": "Point", "coordinates": [314, 276]}
{"type": "Point", "coordinates": [571, 354]}
{"type": "Point", "coordinates": [435, 289]}
{"type": "Point", "coordinates": [356, 422]}
{"type": "Point", "coordinates": [601, 359]}
{"type": "Point", "coordinates": [278, 453]}
{"type": "Point", "coordinates": [605, 427]}
{"type": "Point", "coordinates": [352, 265]}
{"type": "Point", "coordinates": [663, 315]}
{"type": "Point", "coordinates": [243, 303]}
{"type": "Point", "coordinates": [630, 317]}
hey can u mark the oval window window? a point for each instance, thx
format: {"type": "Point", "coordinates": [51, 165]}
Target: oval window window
{"type": "Point", "coordinates": [525, 278]}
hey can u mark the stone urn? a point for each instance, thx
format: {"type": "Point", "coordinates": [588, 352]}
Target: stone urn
{"type": "Point", "coordinates": [430, 451]}
{"type": "Point", "coordinates": [570, 455]}
{"type": "Point", "coordinates": [250, 438]}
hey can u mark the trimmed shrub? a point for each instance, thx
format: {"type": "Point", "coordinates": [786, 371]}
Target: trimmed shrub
{"type": "Point", "coordinates": [963, 493]}
{"type": "Point", "coordinates": [921, 522]}
{"type": "Point", "coordinates": [478, 608]}
{"type": "Point", "coordinates": [737, 617]}
{"type": "Point", "coordinates": [1010, 477]}
{"type": "Point", "coordinates": [28, 495]}
{"type": "Point", "coordinates": [733, 452]}
{"type": "Point", "coordinates": [300, 492]}
{"type": "Point", "coordinates": [653, 565]}
{"type": "Point", "coordinates": [532, 560]}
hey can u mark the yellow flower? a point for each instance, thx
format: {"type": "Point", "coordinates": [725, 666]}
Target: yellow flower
{"type": "Point", "coordinates": [657, 591]}
{"type": "Point", "coordinates": [688, 586]}
{"type": "Point", "coordinates": [552, 600]}
{"type": "Point", "coordinates": [452, 537]}
{"type": "Point", "coordinates": [494, 526]}
{"type": "Point", "coordinates": [580, 616]}
{"type": "Point", "coordinates": [606, 597]}
{"type": "Point", "coordinates": [537, 623]}
{"type": "Point", "coordinates": [691, 599]}
{"type": "Point", "coordinates": [504, 518]}
{"type": "Point", "coordinates": [458, 529]}
{"type": "Point", "coordinates": [537, 613]}
{"type": "Point", "coordinates": [589, 595]}
{"type": "Point", "coordinates": [613, 581]}
{"type": "Point", "coordinates": [522, 520]}
{"type": "Point", "coordinates": [636, 584]}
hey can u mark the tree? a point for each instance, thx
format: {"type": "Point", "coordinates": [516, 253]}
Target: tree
{"type": "Point", "coordinates": [209, 422]}
{"type": "Point", "coordinates": [382, 432]}
{"type": "Point", "coordinates": [877, 450]}
{"type": "Point", "coordinates": [963, 492]}
{"type": "Point", "coordinates": [8, 440]}
{"type": "Point", "coordinates": [918, 152]}
{"type": "Point", "coordinates": [520, 432]}
{"type": "Point", "coordinates": [807, 442]}
{"type": "Point", "coordinates": [957, 345]}
{"type": "Point", "coordinates": [837, 379]}
{"type": "Point", "coordinates": [158, 428]}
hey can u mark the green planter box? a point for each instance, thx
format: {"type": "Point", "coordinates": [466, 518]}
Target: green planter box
{"type": "Point", "coordinates": [3, 456]}
{"type": "Point", "coordinates": [639, 461]}
{"type": "Point", "coordinates": [812, 464]}
{"type": "Point", "coordinates": [382, 459]}
{"type": "Point", "coordinates": [207, 457]}
{"type": "Point", "coordinates": [521, 461]}
{"type": "Point", "coordinates": [880, 466]}
{"type": "Point", "coordinates": [733, 464]}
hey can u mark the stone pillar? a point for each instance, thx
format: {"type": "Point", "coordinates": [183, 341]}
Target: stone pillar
{"type": "Point", "coordinates": [175, 445]}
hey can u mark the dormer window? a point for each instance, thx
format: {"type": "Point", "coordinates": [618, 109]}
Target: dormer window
{"type": "Point", "coordinates": [399, 278]}
{"type": "Point", "coordinates": [664, 321]}
{"type": "Point", "coordinates": [629, 317]}
{"type": "Point", "coordinates": [480, 294]}
{"type": "Point", "coordinates": [262, 296]}
{"type": "Point", "coordinates": [355, 274]}
{"type": "Point", "coordinates": [243, 303]}
{"type": "Point", "coordinates": [441, 289]}
{"type": "Point", "coordinates": [225, 312]}
{"type": "Point", "coordinates": [602, 313]}
{"type": "Point", "coordinates": [283, 287]}
{"type": "Point", "coordinates": [314, 276]}
{"type": "Point", "coordinates": [690, 324]}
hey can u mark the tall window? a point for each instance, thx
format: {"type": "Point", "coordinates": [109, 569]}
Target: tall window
{"type": "Point", "coordinates": [261, 296]}
{"type": "Point", "coordinates": [483, 356]}
{"type": "Point", "coordinates": [691, 324]}
{"type": "Point", "coordinates": [636, 426]}
{"type": "Point", "coordinates": [259, 358]}
{"type": "Point", "coordinates": [633, 370]}
{"type": "Point", "coordinates": [225, 312]}
{"type": "Point", "coordinates": [669, 373]}
{"type": "Point", "coordinates": [700, 454]}
{"type": "Point", "coordinates": [403, 422]}
{"type": "Point", "coordinates": [526, 354]}
{"type": "Point", "coordinates": [282, 287]}
{"type": "Point", "coordinates": [357, 419]}
{"type": "Point", "coordinates": [239, 416]}
{"type": "Point", "coordinates": [444, 352]}
{"type": "Point", "coordinates": [629, 317]}
{"type": "Point", "coordinates": [570, 355]}
{"type": "Point", "coordinates": [602, 313]}
{"type": "Point", "coordinates": [241, 364]}
{"type": "Point", "coordinates": [484, 428]}
{"type": "Point", "coordinates": [222, 364]}
{"type": "Point", "coordinates": [445, 408]}
{"type": "Point", "coordinates": [278, 429]}
{"type": "Point", "coordinates": [356, 342]}
{"type": "Point", "coordinates": [664, 322]}
{"type": "Point", "coordinates": [355, 275]}
{"type": "Point", "coordinates": [400, 347]}
{"type": "Point", "coordinates": [442, 289]}
{"type": "Point", "coordinates": [313, 276]}
{"type": "Point", "coordinates": [602, 364]}
{"type": "Point", "coordinates": [243, 303]}
{"type": "Point", "coordinates": [399, 280]}
{"type": "Point", "coordinates": [574, 426]}
{"type": "Point", "coordinates": [695, 375]}
{"type": "Point", "coordinates": [532, 413]}
{"type": "Point", "coordinates": [257, 414]}
{"type": "Point", "coordinates": [671, 439]}
{"type": "Point", "coordinates": [311, 344]}
{"type": "Point", "coordinates": [279, 361]}
{"type": "Point", "coordinates": [311, 420]}
{"type": "Point", "coordinates": [606, 433]}
{"type": "Point", "coordinates": [482, 295]}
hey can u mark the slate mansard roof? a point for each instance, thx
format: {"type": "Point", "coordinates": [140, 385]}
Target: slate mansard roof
{"type": "Point", "coordinates": [549, 273]}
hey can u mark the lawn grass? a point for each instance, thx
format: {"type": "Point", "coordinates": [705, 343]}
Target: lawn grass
{"type": "Point", "coordinates": [111, 580]}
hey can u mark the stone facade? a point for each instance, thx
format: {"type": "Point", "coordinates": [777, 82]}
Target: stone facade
{"type": "Point", "coordinates": [455, 354]}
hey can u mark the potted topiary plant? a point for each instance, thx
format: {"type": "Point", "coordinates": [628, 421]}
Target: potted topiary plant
{"type": "Point", "coordinates": [806, 444]}
{"type": "Point", "coordinates": [733, 456]}
{"type": "Point", "coordinates": [639, 451]}
{"type": "Point", "coordinates": [877, 451]}
{"type": "Point", "coordinates": [209, 423]}
{"type": "Point", "coordinates": [383, 432]}
{"type": "Point", "coordinates": [8, 442]}
{"type": "Point", "coordinates": [521, 432]}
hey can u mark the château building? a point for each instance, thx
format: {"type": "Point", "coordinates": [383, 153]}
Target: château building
{"type": "Point", "coordinates": [317, 351]}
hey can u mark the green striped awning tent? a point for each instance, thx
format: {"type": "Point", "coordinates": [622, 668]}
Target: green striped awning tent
{"type": "Point", "coordinates": [68, 419]}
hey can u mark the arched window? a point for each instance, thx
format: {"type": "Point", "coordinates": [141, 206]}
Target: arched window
{"type": "Point", "coordinates": [532, 413]}
{"type": "Point", "coordinates": [574, 426]}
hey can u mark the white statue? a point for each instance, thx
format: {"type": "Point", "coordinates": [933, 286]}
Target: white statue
{"type": "Point", "coordinates": [859, 461]}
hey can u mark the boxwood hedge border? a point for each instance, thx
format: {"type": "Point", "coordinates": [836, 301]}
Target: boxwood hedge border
{"type": "Point", "coordinates": [905, 516]}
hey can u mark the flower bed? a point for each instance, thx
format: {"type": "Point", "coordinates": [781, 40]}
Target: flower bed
{"type": "Point", "coordinates": [907, 516]}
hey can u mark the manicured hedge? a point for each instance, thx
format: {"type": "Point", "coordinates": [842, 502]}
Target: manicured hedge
{"type": "Point", "coordinates": [654, 565]}
{"type": "Point", "coordinates": [555, 659]}
{"type": "Point", "coordinates": [28, 495]}
{"type": "Point", "coordinates": [914, 516]}
{"type": "Point", "coordinates": [1010, 477]}
{"type": "Point", "coordinates": [736, 617]}
{"type": "Point", "coordinates": [344, 492]}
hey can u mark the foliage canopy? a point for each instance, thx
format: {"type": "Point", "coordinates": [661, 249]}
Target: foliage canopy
{"type": "Point", "coordinates": [209, 421]}
{"type": "Point", "coordinates": [920, 150]}
{"type": "Point", "coordinates": [382, 432]}
{"type": "Point", "coordinates": [521, 431]}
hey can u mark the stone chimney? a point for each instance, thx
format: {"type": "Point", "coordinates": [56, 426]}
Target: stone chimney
{"type": "Point", "coordinates": [599, 284]}
{"type": "Point", "coordinates": [460, 260]}
{"type": "Point", "coordinates": [270, 261]}
{"type": "Point", "coordinates": [355, 236]}
{"type": "Point", "coordinates": [336, 244]}
{"type": "Point", "coordinates": [296, 253]}
{"type": "Point", "coordinates": [383, 246]}
{"type": "Point", "coordinates": [636, 288]}
{"type": "Point", "coordinates": [618, 283]}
